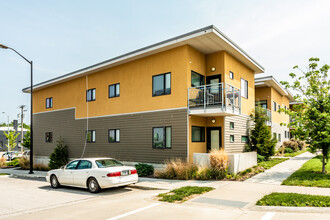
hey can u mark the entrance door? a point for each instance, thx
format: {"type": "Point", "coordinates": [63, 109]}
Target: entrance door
{"type": "Point", "coordinates": [214, 89]}
{"type": "Point", "coordinates": [213, 138]}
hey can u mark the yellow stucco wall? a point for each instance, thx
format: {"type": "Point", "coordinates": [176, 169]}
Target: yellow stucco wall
{"type": "Point", "coordinates": [264, 93]}
{"type": "Point", "coordinates": [135, 80]}
{"type": "Point", "coordinates": [280, 100]}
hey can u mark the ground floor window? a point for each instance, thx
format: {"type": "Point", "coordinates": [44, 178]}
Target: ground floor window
{"type": "Point", "coordinates": [90, 136]}
{"type": "Point", "coordinates": [162, 137]}
{"type": "Point", "coordinates": [198, 134]}
{"type": "Point", "coordinates": [232, 138]}
{"type": "Point", "coordinates": [114, 136]}
{"type": "Point", "coordinates": [49, 137]}
{"type": "Point", "coordinates": [245, 139]}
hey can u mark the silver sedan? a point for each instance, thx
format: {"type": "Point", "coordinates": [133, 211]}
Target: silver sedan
{"type": "Point", "coordinates": [93, 173]}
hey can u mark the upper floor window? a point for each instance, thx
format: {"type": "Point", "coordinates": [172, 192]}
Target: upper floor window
{"type": "Point", "coordinates": [90, 136]}
{"type": "Point", "coordinates": [162, 137]}
{"type": "Point", "coordinates": [90, 95]}
{"type": "Point", "coordinates": [279, 106]}
{"type": "Point", "coordinates": [274, 105]}
{"type": "Point", "coordinates": [197, 79]}
{"type": "Point", "coordinates": [244, 88]}
{"type": "Point", "coordinates": [114, 90]}
{"type": "Point", "coordinates": [161, 84]}
{"type": "Point", "coordinates": [114, 136]}
{"type": "Point", "coordinates": [49, 137]}
{"type": "Point", "coordinates": [231, 125]}
{"type": "Point", "coordinates": [262, 103]}
{"type": "Point", "coordinates": [49, 102]}
{"type": "Point", "coordinates": [231, 75]}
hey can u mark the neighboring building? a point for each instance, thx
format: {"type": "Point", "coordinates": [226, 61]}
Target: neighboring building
{"type": "Point", "coordinates": [151, 104]}
{"type": "Point", "coordinates": [4, 141]}
{"type": "Point", "coordinates": [272, 96]}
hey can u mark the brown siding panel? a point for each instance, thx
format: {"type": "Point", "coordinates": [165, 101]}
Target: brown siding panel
{"type": "Point", "coordinates": [135, 135]}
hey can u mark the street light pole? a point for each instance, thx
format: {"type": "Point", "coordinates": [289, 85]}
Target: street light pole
{"type": "Point", "coordinates": [31, 113]}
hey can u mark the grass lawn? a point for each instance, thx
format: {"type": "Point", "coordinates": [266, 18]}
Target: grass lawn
{"type": "Point", "coordinates": [272, 162]}
{"type": "Point", "coordinates": [310, 175]}
{"type": "Point", "coordinates": [182, 194]}
{"type": "Point", "coordinates": [295, 153]}
{"type": "Point", "coordinates": [294, 199]}
{"type": "Point", "coordinates": [2, 174]}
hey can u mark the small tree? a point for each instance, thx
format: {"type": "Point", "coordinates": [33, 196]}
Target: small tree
{"type": "Point", "coordinates": [27, 140]}
{"type": "Point", "coordinates": [60, 155]}
{"type": "Point", "coordinates": [311, 118]}
{"type": "Point", "coordinates": [260, 138]}
{"type": "Point", "coordinates": [11, 136]}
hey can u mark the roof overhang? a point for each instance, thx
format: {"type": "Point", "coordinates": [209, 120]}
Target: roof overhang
{"type": "Point", "coordinates": [206, 40]}
{"type": "Point", "coordinates": [270, 81]}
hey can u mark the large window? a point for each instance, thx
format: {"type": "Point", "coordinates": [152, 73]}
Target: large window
{"type": "Point", "coordinates": [244, 88]}
{"type": "Point", "coordinates": [162, 137]}
{"type": "Point", "coordinates": [49, 137]}
{"type": "Point", "coordinates": [49, 102]}
{"type": "Point", "coordinates": [90, 95]}
{"type": "Point", "coordinates": [161, 84]}
{"type": "Point", "coordinates": [114, 136]}
{"type": "Point", "coordinates": [114, 90]}
{"type": "Point", "coordinates": [90, 136]}
{"type": "Point", "coordinates": [197, 79]}
{"type": "Point", "coordinates": [198, 134]}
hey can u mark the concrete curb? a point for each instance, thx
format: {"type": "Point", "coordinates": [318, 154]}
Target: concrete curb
{"type": "Point", "coordinates": [290, 209]}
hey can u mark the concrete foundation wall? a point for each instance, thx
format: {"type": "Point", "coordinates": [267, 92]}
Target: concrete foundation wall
{"type": "Point", "coordinates": [237, 161]}
{"type": "Point", "coordinates": [278, 129]}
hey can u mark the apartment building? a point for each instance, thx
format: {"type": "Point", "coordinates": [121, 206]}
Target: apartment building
{"type": "Point", "coordinates": [185, 95]}
{"type": "Point", "coordinates": [272, 96]}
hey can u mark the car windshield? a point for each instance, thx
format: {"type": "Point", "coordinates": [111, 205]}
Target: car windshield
{"type": "Point", "coordinates": [108, 163]}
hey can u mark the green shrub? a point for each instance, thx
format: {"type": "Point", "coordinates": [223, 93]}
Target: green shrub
{"type": "Point", "coordinates": [288, 150]}
{"type": "Point", "coordinates": [203, 173]}
{"type": "Point", "coordinates": [260, 158]}
{"type": "Point", "coordinates": [144, 169]}
{"type": "Point", "coordinates": [292, 144]}
{"type": "Point", "coordinates": [60, 155]}
{"type": "Point", "coordinates": [14, 163]}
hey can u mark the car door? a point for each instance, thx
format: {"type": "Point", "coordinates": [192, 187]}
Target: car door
{"type": "Point", "coordinates": [66, 175]}
{"type": "Point", "coordinates": [82, 172]}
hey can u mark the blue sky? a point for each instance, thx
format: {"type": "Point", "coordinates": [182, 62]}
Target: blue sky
{"type": "Point", "coordinates": [63, 36]}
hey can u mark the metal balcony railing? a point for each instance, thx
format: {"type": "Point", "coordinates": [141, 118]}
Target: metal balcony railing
{"type": "Point", "coordinates": [221, 96]}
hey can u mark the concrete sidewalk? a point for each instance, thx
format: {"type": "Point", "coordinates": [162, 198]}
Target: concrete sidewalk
{"type": "Point", "coordinates": [277, 174]}
{"type": "Point", "coordinates": [24, 173]}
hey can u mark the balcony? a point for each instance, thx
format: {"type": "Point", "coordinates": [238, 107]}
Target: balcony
{"type": "Point", "coordinates": [219, 99]}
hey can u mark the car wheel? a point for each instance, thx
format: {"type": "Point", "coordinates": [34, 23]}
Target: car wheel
{"type": "Point", "coordinates": [54, 182]}
{"type": "Point", "coordinates": [93, 185]}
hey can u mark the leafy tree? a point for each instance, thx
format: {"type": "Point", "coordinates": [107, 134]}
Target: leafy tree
{"type": "Point", "coordinates": [60, 155]}
{"type": "Point", "coordinates": [11, 136]}
{"type": "Point", "coordinates": [27, 140]}
{"type": "Point", "coordinates": [260, 138]}
{"type": "Point", "coordinates": [311, 118]}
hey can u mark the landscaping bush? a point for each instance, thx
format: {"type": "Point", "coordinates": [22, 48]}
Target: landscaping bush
{"type": "Point", "coordinates": [144, 169]}
{"type": "Point", "coordinates": [14, 163]}
{"type": "Point", "coordinates": [219, 163]}
{"type": "Point", "coordinates": [292, 144]}
{"type": "Point", "coordinates": [3, 162]}
{"type": "Point", "coordinates": [24, 163]}
{"type": "Point", "coordinates": [301, 144]}
{"type": "Point", "coordinates": [40, 167]}
{"type": "Point", "coordinates": [288, 150]}
{"type": "Point", "coordinates": [178, 169]}
{"type": "Point", "coordinates": [260, 158]}
{"type": "Point", "coordinates": [203, 173]}
{"type": "Point", "coordinates": [60, 155]}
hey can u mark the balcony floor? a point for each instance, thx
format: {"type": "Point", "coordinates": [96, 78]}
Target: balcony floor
{"type": "Point", "coordinates": [213, 111]}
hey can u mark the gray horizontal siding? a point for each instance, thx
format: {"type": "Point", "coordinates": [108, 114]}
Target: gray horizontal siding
{"type": "Point", "coordinates": [135, 135]}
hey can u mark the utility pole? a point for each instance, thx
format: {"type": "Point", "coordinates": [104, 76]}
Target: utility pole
{"type": "Point", "coordinates": [22, 130]}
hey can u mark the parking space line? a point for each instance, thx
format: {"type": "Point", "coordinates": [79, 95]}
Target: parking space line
{"type": "Point", "coordinates": [268, 216]}
{"type": "Point", "coordinates": [133, 212]}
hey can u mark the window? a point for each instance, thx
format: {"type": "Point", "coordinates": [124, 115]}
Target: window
{"type": "Point", "coordinates": [197, 79]}
{"type": "Point", "coordinates": [231, 125]}
{"type": "Point", "coordinates": [274, 135]}
{"type": "Point", "coordinates": [274, 106]}
{"type": "Point", "coordinates": [84, 164]}
{"type": "Point", "coordinates": [244, 88]}
{"type": "Point", "coordinates": [72, 165]}
{"type": "Point", "coordinates": [49, 137]}
{"type": "Point", "coordinates": [232, 138]}
{"type": "Point", "coordinates": [90, 95]}
{"type": "Point", "coordinates": [198, 134]}
{"type": "Point", "coordinates": [262, 103]}
{"type": "Point", "coordinates": [161, 84]}
{"type": "Point", "coordinates": [231, 75]}
{"type": "Point", "coordinates": [114, 90]}
{"type": "Point", "coordinates": [1, 144]}
{"type": "Point", "coordinates": [279, 106]}
{"type": "Point", "coordinates": [162, 137]}
{"type": "Point", "coordinates": [279, 137]}
{"type": "Point", "coordinates": [245, 139]}
{"type": "Point", "coordinates": [114, 136]}
{"type": "Point", "coordinates": [49, 102]}
{"type": "Point", "coordinates": [90, 136]}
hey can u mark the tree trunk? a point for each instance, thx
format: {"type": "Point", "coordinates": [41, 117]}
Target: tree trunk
{"type": "Point", "coordinates": [323, 161]}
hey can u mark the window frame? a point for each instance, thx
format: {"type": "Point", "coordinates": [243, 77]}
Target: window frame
{"type": "Point", "coordinates": [164, 85]}
{"type": "Point", "coordinates": [201, 132]}
{"type": "Point", "coordinates": [51, 106]}
{"type": "Point", "coordinates": [115, 139]}
{"type": "Point", "coordinates": [91, 141]}
{"type": "Point", "coordinates": [231, 75]}
{"type": "Point", "coordinates": [116, 95]}
{"type": "Point", "coordinates": [94, 89]}
{"type": "Point", "coordinates": [247, 88]}
{"type": "Point", "coordinates": [164, 134]}
{"type": "Point", "coordinates": [232, 136]}
{"type": "Point", "coordinates": [231, 123]}
{"type": "Point", "coordinates": [50, 133]}
{"type": "Point", "coordinates": [204, 78]}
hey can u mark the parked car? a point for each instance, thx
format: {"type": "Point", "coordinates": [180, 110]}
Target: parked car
{"type": "Point", "coordinates": [26, 153]}
{"type": "Point", "coordinates": [93, 173]}
{"type": "Point", "coordinates": [9, 155]}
